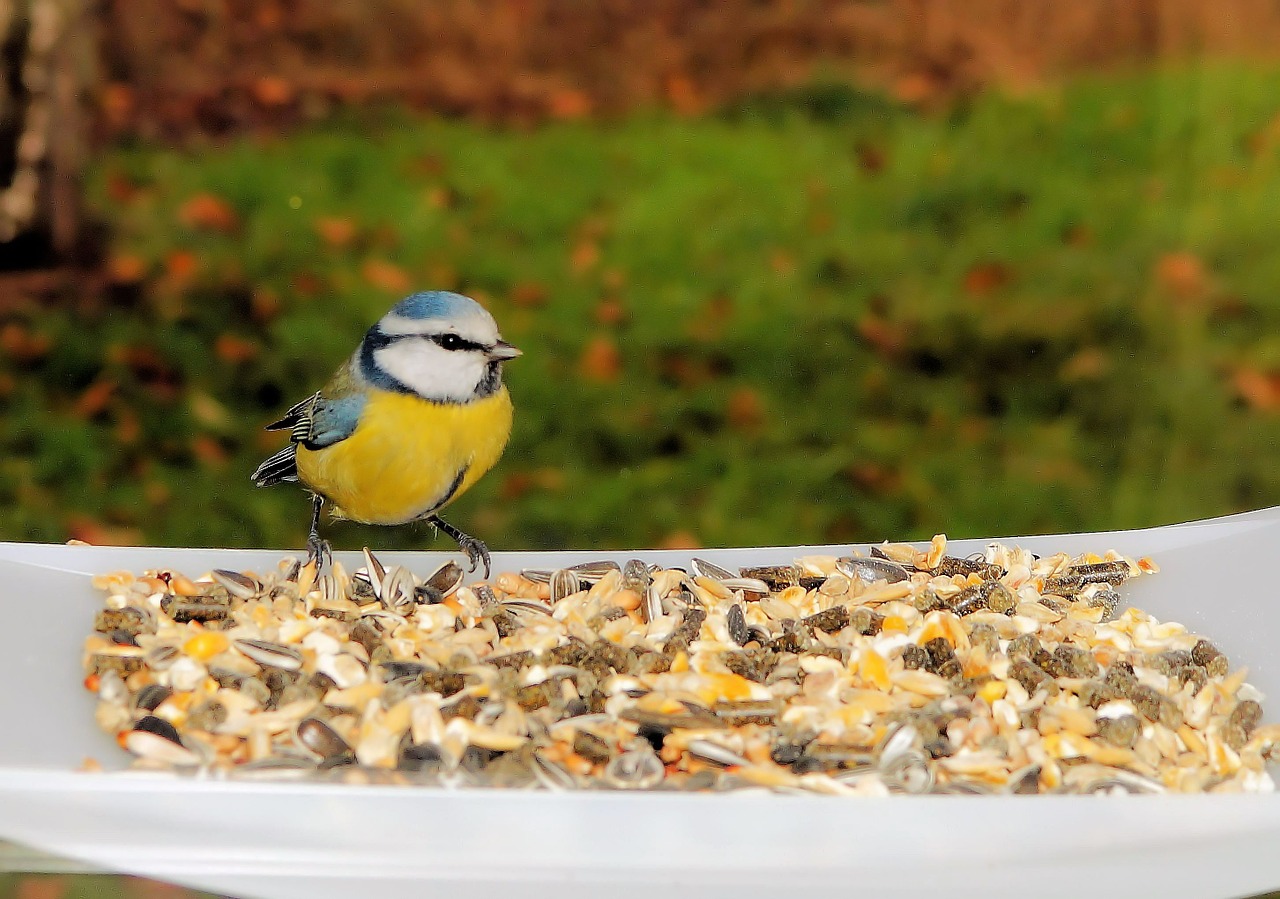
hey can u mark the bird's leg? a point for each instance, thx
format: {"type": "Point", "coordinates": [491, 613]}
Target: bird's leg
{"type": "Point", "coordinates": [317, 549]}
{"type": "Point", "coordinates": [475, 549]}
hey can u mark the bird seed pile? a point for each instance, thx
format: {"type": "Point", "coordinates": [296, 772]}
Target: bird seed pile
{"type": "Point", "coordinates": [902, 671]}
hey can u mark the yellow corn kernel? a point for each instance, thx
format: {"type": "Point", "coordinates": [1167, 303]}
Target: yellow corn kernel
{"type": "Point", "coordinates": [206, 645]}
{"type": "Point", "coordinates": [894, 623]}
{"type": "Point", "coordinates": [726, 687]}
{"type": "Point", "coordinates": [873, 669]}
{"type": "Point", "coordinates": [992, 690]}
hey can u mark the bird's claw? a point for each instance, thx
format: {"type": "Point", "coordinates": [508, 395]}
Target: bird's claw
{"type": "Point", "coordinates": [318, 551]}
{"type": "Point", "coordinates": [476, 551]}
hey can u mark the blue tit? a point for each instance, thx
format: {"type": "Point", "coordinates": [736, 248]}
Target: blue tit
{"type": "Point", "coordinates": [407, 424]}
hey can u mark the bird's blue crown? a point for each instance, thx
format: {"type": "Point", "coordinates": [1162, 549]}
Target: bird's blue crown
{"type": "Point", "coordinates": [433, 304]}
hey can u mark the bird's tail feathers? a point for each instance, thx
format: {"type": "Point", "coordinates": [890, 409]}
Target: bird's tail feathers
{"type": "Point", "coordinates": [297, 412]}
{"type": "Point", "coordinates": [283, 466]}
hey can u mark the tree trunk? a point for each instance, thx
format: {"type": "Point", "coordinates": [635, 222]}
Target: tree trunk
{"type": "Point", "coordinates": [48, 63]}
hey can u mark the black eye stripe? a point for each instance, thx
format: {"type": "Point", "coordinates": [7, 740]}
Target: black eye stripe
{"type": "Point", "coordinates": [376, 339]}
{"type": "Point", "coordinates": [454, 342]}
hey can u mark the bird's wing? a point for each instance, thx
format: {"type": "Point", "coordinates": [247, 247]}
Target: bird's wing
{"type": "Point", "coordinates": [321, 420]}
{"type": "Point", "coordinates": [327, 416]}
{"type": "Point", "coordinates": [328, 420]}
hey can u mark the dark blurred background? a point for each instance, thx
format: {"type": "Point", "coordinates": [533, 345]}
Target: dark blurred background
{"type": "Point", "coordinates": [784, 272]}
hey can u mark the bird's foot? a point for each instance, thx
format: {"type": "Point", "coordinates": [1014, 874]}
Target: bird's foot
{"type": "Point", "coordinates": [318, 551]}
{"type": "Point", "coordinates": [476, 551]}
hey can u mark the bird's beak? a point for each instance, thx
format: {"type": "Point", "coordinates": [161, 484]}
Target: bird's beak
{"type": "Point", "coordinates": [503, 350]}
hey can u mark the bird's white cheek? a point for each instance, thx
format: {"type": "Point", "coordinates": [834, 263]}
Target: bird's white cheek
{"type": "Point", "coordinates": [430, 371]}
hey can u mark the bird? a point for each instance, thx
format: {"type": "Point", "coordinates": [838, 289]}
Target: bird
{"type": "Point", "coordinates": [406, 425]}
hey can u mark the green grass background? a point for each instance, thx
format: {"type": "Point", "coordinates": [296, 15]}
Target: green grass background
{"type": "Point", "coordinates": [841, 319]}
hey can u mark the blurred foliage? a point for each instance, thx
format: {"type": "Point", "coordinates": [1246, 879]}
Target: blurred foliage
{"type": "Point", "coordinates": [815, 317]}
{"type": "Point", "coordinates": [224, 66]}
{"type": "Point", "coordinates": [90, 886]}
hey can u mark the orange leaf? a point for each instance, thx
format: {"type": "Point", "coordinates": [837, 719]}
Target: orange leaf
{"type": "Point", "coordinates": [268, 15]}
{"type": "Point", "coordinates": [601, 362]}
{"type": "Point", "coordinates": [208, 451]}
{"type": "Point", "coordinates": [569, 103]}
{"type": "Point", "coordinates": [385, 276]}
{"type": "Point", "coordinates": [529, 294]}
{"type": "Point", "coordinates": [518, 483]}
{"type": "Point", "coordinates": [23, 345]}
{"type": "Point", "coordinates": [684, 95]}
{"type": "Point", "coordinates": [782, 262]}
{"type": "Point", "coordinates": [118, 103]}
{"type": "Point", "coordinates": [144, 361]}
{"type": "Point", "coordinates": [820, 221]}
{"type": "Point", "coordinates": [265, 304]}
{"type": "Point", "coordinates": [1090, 363]}
{"type": "Point", "coordinates": [882, 334]}
{"type": "Point", "coordinates": [1260, 390]}
{"type": "Point", "coordinates": [120, 188]}
{"type": "Point", "coordinates": [157, 493]}
{"type": "Point", "coordinates": [128, 426]}
{"type": "Point", "coordinates": [515, 485]}
{"type": "Point", "coordinates": [337, 232]}
{"type": "Point", "coordinates": [610, 311]}
{"type": "Point", "coordinates": [874, 477]}
{"type": "Point", "coordinates": [685, 370]}
{"type": "Point", "coordinates": [430, 165]}
{"type": "Point", "coordinates": [207, 212]}
{"type": "Point", "coordinates": [680, 540]}
{"type": "Point", "coordinates": [308, 284]}
{"type": "Point", "coordinates": [871, 159]}
{"type": "Point", "coordinates": [41, 888]}
{"type": "Point", "coordinates": [746, 409]}
{"type": "Point", "coordinates": [92, 531]}
{"type": "Point", "coordinates": [95, 398]}
{"type": "Point", "coordinates": [1183, 274]}
{"type": "Point", "coordinates": [182, 265]}
{"type": "Point", "coordinates": [548, 478]}
{"type": "Point", "coordinates": [126, 269]}
{"type": "Point", "coordinates": [272, 91]}
{"type": "Point", "coordinates": [233, 349]}
{"type": "Point", "coordinates": [985, 277]}
{"type": "Point", "coordinates": [440, 198]}
{"type": "Point", "coordinates": [585, 255]}
{"type": "Point", "coordinates": [917, 88]}
{"type": "Point", "coordinates": [1077, 236]}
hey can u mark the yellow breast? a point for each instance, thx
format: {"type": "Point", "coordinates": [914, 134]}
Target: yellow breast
{"type": "Point", "coordinates": [402, 459]}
